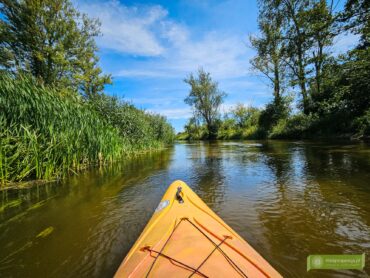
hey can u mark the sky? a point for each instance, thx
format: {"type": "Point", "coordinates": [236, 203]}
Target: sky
{"type": "Point", "coordinates": [150, 47]}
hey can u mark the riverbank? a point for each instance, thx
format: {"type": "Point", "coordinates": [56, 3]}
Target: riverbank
{"type": "Point", "coordinates": [250, 123]}
{"type": "Point", "coordinates": [46, 134]}
{"type": "Point", "coordinates": [182, 136]}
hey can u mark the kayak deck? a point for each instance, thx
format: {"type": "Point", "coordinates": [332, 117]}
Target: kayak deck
{"type": "Point", "coordinates": [186, 238]}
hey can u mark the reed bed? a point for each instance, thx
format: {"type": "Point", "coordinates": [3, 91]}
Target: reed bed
{"type": "Point", "coordinates": [46, 134]}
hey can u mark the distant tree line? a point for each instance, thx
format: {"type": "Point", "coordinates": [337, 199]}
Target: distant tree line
{"type": "Point", "coordinates": [294, 53]}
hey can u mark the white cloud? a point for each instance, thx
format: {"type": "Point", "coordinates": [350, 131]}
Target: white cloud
{"type": "Point", "coordinates": [126, 29]}
{"type": "Point", "coordinates": [174, 114]}
{"type": "Point", "coordinates": [146, 30]}
{"type": "Point", "coordinates": [223, 56]}
{"type": "Point", "coordinates": [162, 52]}
{"type": "Point", "coordinates": [175, 33]}
{"type": "Point", "coordinates": [344, 42]}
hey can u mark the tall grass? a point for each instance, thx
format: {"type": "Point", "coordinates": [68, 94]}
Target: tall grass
{"type": "Point", "coordinates": [140, 128]}
{"type": "Point", "coordinates": [45, 134]}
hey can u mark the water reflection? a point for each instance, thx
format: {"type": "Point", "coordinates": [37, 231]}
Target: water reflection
{"type": "Point", "coordinates": [287, 199]}
{"type": "Point", "coordinates": [92, 215]}
{"type": "Point", "coordinates": [317, 219]}
{"type": "Point", "coordinates": [207, 177]}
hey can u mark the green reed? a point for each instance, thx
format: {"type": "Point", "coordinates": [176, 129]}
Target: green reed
{"type": "Point", "coordinates": [46, 134]}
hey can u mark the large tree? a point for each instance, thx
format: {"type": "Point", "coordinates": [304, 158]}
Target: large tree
{"type": "Point", "coordinates": [320, 32]}
{"type": "Point", "coordinates": [295, 35]}
{"type": "Point", "coordinates": [205, 98]}
{"type": "Point", "coordinates": [51, 40]}
{"type": "Point", "coordinates": [270, 58]}
{"type": "Point", "coordinates": [297, 44]}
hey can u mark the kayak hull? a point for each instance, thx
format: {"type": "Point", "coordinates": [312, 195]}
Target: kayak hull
{"type": "Point", "coordinates": [186, 238]}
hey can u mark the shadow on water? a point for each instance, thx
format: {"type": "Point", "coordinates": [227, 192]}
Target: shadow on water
{"type": "Point", "coordinates": [94, 217]}
{"type": "Point", "coordinates": [287, 199]}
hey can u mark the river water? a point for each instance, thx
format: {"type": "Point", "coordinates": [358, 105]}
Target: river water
{"type": "Point", "coordinates": [287, 199]}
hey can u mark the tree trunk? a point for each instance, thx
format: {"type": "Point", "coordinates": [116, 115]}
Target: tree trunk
{"type": "Point", "coordinates": [276, 81]}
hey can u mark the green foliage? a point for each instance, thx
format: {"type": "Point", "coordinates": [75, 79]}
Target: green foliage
{"type": "Point", "coordinates": [344, 102]}
{"type": "Point", "coordinates": [205, 98]}
{"type": "Point", "coordinates": [273, 112]}
{"type": "Point", "coordinates": [53, 41]}
{"type": "Point", "coordinates": [296, 126]}
{"type": "Point", "coordinates": [228, 129]}
{"type": "Point", "coordinates": [363, 124]}
{"type": "Point", "coordinates": [45, 134]}
{"type": "Point", "coordinates": [270, 46]}
{"type": "Point", "coordinates": [294, 43]}
{"type": "Point", "coordinates": [245, 116]}
{"type": "Point", "coordinates": [136, 125]}
{"type": "Point", "coordinates": [195, 131]}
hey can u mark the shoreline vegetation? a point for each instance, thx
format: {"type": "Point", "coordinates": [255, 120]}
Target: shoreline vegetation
{"type": "Point", "coordinates": [46, 135]}
{"type": "Point", "coordinates": [316, 92]}
{"type": "Point", "coordinates": [55, 118]}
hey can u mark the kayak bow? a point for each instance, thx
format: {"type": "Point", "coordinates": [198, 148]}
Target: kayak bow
{"type": "Point", "coordinates": [186, 238]}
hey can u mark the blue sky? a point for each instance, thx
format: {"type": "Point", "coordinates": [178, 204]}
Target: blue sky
{"type": "Point", "coordinates": [149, 47]}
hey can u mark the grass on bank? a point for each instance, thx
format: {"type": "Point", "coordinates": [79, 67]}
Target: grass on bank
{"type": "Point", "coordinates": [46, 134]}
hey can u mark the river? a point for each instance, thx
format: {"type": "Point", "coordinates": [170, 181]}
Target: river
{"type": "Point", "coordinates": [287, 199]}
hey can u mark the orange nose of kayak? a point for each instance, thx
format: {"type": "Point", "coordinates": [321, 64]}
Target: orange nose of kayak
{"type": "Point", "coordinates": [186, 238]}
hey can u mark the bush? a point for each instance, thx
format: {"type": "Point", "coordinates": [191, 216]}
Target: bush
{"type": "Point", "coordinates": [362, 124]}
{"type": "Point", "coordinates": [296, 126]}
{"type": "Point", "coordinates": [228, 129]}
{"type": "Point", "coordinates": [274, 111]}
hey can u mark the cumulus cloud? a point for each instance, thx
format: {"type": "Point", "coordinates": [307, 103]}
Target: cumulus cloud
{"type": "Point", "coordinates": [126, 29]}
{"type": "Point", "coordinates": [147, 30]}
{"type": "Point", "coordinates": [223, 56]}
{"type": "Point", "coordinates": [152, 48]}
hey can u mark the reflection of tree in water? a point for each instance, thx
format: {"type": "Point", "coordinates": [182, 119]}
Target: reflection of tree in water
{"type": "Point", "coordinates": [341, 197]}
{"type": "Point", "coordinates": [136, 167]}
{"type": "Point", "coordinates": [138, 189]}
{"type": "Point", "coordinates": [208, 177]}
{"type": "Point", "coordinates": [97, 215]}
{"type": "Point", "coordinates": [277, 210]}
{"type": "Point", "coordinates": [307, 213]}
{"type": "Point", "coordinates": [278, 157]}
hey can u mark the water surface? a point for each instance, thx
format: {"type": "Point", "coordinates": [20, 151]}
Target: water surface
{"type": "Point", "coordinates": [287, 199]}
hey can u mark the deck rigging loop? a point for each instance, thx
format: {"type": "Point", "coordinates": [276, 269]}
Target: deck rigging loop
{"type": "Point", "coordinates": [190, 268]}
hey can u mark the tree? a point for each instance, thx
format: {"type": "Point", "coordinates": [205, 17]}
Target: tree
{"type": "Point", "coordinates": [205, 98]}
{"type": "Point", "coordinates": [296, 35]}
{"type": "Point", "coordinates": [297, 44]}
{"type": "Point", "coordinates": [321, 33]}
{"type": "Point", "coordinates": [51, 40]}
{"type": "Point", "coordinates": [345, 100]}
{"type": "Point", "coordinates": [270, 48]}
{"type": "Point", "coordinates": [244, 114]}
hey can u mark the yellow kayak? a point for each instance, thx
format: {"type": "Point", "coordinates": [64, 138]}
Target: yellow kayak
{"type": "Point", "coordinates": [186, 238]}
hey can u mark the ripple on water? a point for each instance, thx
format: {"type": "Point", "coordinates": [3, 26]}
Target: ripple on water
{"type": "Point", "coordinates": [287, 199]}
